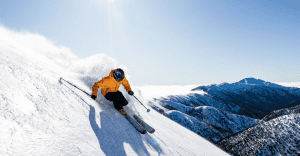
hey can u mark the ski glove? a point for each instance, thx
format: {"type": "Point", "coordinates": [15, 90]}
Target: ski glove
{"type": "Point", "coordinates": [130, 92]}
{"type": "Point", "coordinates": [94, 97]}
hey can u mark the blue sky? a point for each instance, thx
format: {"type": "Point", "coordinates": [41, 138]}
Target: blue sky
{"type": "Point", "coordinates": [178, 42]}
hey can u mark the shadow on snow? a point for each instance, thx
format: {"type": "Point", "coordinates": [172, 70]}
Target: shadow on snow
{"type": "Point", "coordinates": [112, 135]}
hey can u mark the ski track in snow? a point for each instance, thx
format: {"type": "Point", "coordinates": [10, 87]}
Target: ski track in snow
{"type": "Point", "coordinates": [41, 116]}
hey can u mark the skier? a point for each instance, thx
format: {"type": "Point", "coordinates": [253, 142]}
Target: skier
{"type": "Point", "coordinates": [110, 88]}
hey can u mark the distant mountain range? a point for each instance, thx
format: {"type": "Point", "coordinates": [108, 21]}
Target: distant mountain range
{"type": "Point", "coordinates": [228, 110]}
{"type": "Point", "coordinates": [254, 97]}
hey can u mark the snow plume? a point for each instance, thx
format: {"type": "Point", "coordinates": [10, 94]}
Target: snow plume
{"type": "Point", "coordinates": [37, 47]}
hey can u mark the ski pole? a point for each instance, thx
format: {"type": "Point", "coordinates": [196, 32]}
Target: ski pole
{"type": "Point", "coordinates": [148, 110]}
{"type": "Point", "coordinates": [75, 86]}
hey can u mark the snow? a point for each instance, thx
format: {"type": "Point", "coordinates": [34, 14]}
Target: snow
{"type": "Point", "coordinates": [23, 104]}
{"type": "Point", "coordinates": [39, 115]}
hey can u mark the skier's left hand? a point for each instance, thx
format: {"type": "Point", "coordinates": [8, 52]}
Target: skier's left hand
{"type": "Point", "coordinates": [130, 92]}
{"type": "Point", "coordinates": [94, 97]}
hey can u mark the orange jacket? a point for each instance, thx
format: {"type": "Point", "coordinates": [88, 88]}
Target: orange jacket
{"type": "Point", "coordinates": [109, 84]}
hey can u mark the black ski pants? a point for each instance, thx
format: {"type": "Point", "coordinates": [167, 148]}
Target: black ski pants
{"type": "Point", "coordinates": [117, 98]}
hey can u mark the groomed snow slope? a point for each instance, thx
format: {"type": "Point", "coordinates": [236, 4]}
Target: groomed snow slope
{"type": "Point", "coordinates": [41, 116]}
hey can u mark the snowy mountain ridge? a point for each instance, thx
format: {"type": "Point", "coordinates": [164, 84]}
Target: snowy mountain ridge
{"type": "Point", "coordinates": [207, 121]}
{"type": "Point", "coordinates": [215, 116]}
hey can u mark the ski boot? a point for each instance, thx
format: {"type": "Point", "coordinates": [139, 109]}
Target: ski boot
{"type": "Point", "coordinates": [122, 111]}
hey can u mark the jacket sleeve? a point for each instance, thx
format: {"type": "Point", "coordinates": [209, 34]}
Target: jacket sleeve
{"type": "Point", "coordinates": [96, 86]}
{"type": "Point", "coordinates": [126, 84]}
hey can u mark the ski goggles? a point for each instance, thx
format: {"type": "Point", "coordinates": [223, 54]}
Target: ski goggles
{"type": "Point", "coordinates": [119, 79]}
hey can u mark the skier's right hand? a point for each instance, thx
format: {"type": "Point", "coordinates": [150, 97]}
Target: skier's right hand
{"type": "Point", "coordinates": [130, 93]}
{"type": "Point", "coordinates": [94, 97]}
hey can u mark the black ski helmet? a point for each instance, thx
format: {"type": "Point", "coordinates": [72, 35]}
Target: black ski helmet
{"type": "Point", "coordinates": [119, 74]}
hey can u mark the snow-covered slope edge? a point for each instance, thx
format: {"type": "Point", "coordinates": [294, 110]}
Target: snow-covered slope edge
{"type": "Point", "coordinates": [41, 116]}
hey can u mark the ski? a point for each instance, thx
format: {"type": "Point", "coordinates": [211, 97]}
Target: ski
{"type": "Point", "coordinates": [134, 123]}
{"type": "Point", "coordinates": [144, 124]}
